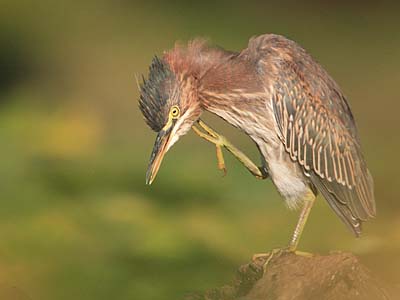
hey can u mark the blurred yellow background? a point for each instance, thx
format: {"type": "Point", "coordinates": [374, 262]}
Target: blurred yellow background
{"type": "Point", "coordinates": [77, 220]}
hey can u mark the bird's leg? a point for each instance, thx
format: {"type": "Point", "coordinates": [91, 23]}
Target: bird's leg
{"type": "Point", "coordinates": [305, 212]}
{"type": "Point", "coordinates": [220, 141]}
{"type": "Point", "coordinates": [294, 241]}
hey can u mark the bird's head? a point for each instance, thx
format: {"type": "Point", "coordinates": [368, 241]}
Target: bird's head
{"type": "Point", "coordinates": [170, 106]}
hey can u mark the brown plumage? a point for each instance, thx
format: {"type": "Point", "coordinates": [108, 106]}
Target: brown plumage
{"type": "Point", "coordinates": [318, 130]}
{"type": "Point", "coordinates": [285, 101]}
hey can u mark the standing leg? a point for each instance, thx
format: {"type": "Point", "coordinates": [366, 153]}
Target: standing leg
{"type": "Point", "coordinates": [294, 241]}
{"type": "Point", "coordinates": [308, 204]}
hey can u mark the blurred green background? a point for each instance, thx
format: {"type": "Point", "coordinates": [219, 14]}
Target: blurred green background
{"type": "Point", "coordinates": [77, 220]}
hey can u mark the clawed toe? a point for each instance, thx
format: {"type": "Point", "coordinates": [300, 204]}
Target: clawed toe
{"type": "Point", "coordinates": [266, 258]}
{"type": "Point", "coordinates": [213, 137]}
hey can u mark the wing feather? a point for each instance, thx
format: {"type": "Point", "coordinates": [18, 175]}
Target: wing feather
{"type": "Point", "coordinates": [317, 128]}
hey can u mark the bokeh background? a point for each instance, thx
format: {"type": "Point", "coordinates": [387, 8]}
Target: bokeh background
{"type": "Point", "coordinates": [77, 220]}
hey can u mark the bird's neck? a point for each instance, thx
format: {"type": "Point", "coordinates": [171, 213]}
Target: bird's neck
{"type": "Point", "coordinates": [195, 59]}
{"type": "Point", "coordinates": [234, 92]}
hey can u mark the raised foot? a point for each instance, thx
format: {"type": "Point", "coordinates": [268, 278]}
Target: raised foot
{"type": "Point", "coordinates": [267, 257]}
{"type": "Point", "coordinates": [213, 137]}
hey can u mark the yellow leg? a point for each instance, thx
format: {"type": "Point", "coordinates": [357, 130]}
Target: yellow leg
{"type": "Point", "coordinates": [294, 241]}
{"type": "Point", "coordinates": [220, 141]}
{"type": "Point", "coordinates": [305, 212]}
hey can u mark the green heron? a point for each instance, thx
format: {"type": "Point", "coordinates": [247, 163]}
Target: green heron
{"type": "Point", "coordinates": [284, 101]}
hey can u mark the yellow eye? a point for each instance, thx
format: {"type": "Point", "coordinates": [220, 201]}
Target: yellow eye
{"type": "Point", "coordinates": [175, 112]}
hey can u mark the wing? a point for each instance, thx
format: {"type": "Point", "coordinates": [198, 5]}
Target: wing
{"type": "Point", "coordinates": [317, 128]}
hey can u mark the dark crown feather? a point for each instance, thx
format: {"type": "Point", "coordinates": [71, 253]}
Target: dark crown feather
{"type": "Point", "coordinates": [154, 94]}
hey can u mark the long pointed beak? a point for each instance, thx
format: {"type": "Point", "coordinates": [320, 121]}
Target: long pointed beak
{"type": "Point", "coordinates": [159, 150]}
